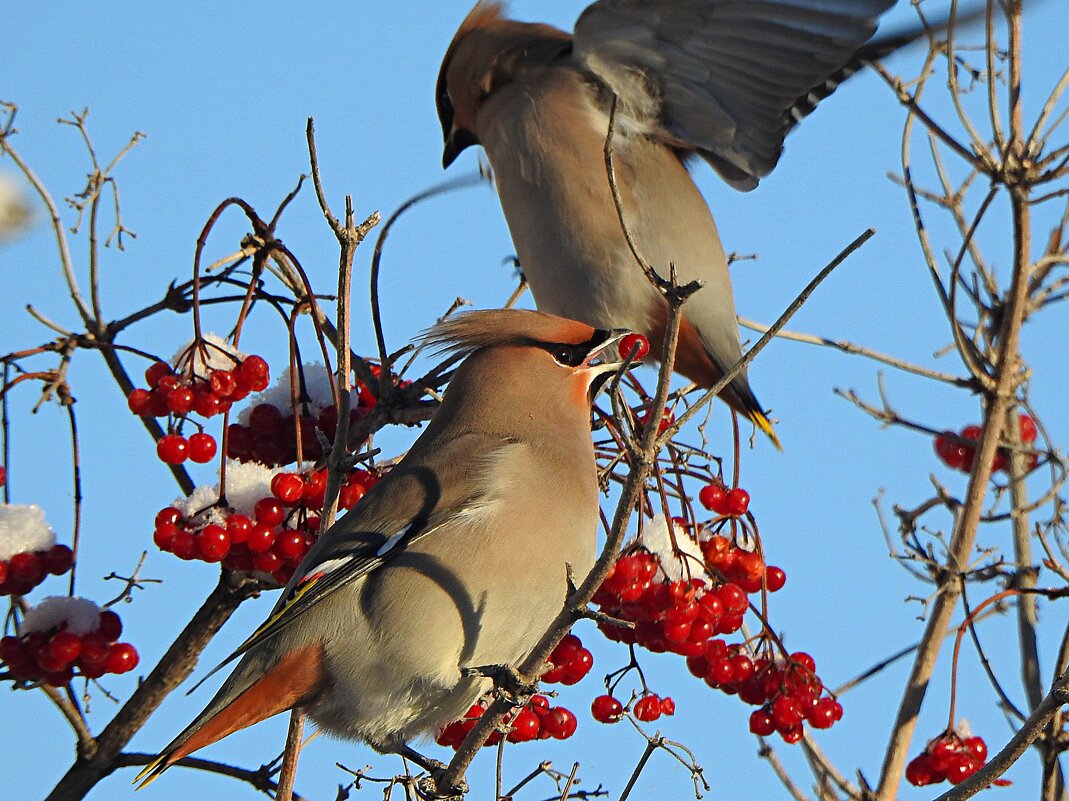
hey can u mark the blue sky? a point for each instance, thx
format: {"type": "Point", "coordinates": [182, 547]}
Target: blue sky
{"type": "Point", "coordinates": [222, 91]}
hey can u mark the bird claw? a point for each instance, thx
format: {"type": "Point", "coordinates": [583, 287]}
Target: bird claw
{"type": "Point", "coordinates": [428, 787]}
{"type": "Point", "coordinates": [506, 678]}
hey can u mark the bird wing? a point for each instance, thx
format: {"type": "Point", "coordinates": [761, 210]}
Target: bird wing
{"type": "Point", "coordinates": [406, 505]}
{"type": "Point", "coordinates": [725, 78]}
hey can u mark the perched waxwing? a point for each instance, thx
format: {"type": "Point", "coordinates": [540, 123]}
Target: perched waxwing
{"type": "Point", "coordinates": [457, 558]}
{"type": "Point", "coordinates": [722, 80]}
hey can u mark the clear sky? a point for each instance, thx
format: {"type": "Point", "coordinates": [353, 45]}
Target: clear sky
{"type": "Point", "coordinates": [222, 91]}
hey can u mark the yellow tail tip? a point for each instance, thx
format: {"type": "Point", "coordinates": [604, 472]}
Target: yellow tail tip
{"type": "Point", "coordinates": [762, 422]}
{"type": "Point", "coordinates": [151, 772]}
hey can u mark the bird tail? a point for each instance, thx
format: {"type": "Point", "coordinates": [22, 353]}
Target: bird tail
{"type": "Point", "coordinates": [293, 680]}
{"type": "Point", "coordinates": [758, 418]}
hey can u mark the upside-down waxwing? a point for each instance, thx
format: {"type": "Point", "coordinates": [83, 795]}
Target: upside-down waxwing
{"type": "Point", "coordinates": [722, 80]}
{"type": "Point", "coordinates": [457, 558]}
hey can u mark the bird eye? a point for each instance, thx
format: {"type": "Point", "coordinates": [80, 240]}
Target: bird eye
{"type": "Point", "coordinates": [566, 355]}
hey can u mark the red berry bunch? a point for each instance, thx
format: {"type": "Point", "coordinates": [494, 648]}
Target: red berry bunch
{"type": "Point", "coordinates": [57, 655]}
{"type": "Point", "coordinates": [273, 538]}
{"type": "Point", "coordinates": [536, 721]}
{"type": "Point", "coordinates": [718, 499]}
{"type": "Point", "coordinates": [677, 616]}
{"type": "Point", "coordinates": [180, 394]}
{"type": "Point", "coordinates": [648, 708]}
{"type": "Point", "coordinates": [949, 757]}
{"type": "Point", "coordinates": [569, 662]}
{"type": "Point", "coordinates": [787, 691]}
{"type": "Point", "coordinates": [745, 568]}
{"type": "Point", "coordinates": [21, 572]}
{"type": "Point", "coordinates": [637, 343]}
{"type": "Point", "coordinates": [959, 451]}
{"type": "Point", "coordinates": [270, 435]}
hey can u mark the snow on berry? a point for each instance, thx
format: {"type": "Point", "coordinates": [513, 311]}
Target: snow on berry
{"type": "Point", "coordinates": [214, 354]}
{"type": "Point", "coordinates": [80, 615]}
{"type": "Point", "coordinates": [318, 385]}
{"type": "Point", "coordinates": [679, 555]}
{"type": "Point", "coordinates": [246, 483]}
{"type": "Point", "coordinates": [23, 530]}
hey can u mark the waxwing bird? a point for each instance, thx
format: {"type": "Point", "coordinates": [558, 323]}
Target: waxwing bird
{"type": "Point", "coordinates": [457, 558]}
{"type": "Point", "coordinates": [722, 80]}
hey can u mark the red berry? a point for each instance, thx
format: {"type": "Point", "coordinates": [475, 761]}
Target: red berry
{"type": "Point", "coordinates": [1027, 427]}
{"type": "Point", "coordinates": [202, 447]}
{"type": "Point", "coordinates": [222, 382]}
{"type": "Point", "coordinates": [648, 708]}
{"type": "Point", "coordinates": [560, 723]}
{"type": "Point", "coordinates": [350, 494]}
{"type": "Point", "coordinates": [775, 578]}
{"type": "Point", "coordinates": [58, 559]}
{"type": "Point", "coordinates": [805, 660]}
{"type": "Point", "coordinates": [180, 401]}
{"type": "Point", "coordinates": [205, 402]}
{"type": "Point", "coordinates": [822, 714]}
{"type": "Point", "coordinates": [267, 562]}
{"type": "Point", "coordinates": [213, 543]}
{"type": "Point", "coordinates": [139, 402]}
{"type": "Point", "coordinates": [172, 449]}
{"type": "Point", "coordinates": [606, 709]}
{"type": "Point", "coordinates": [155, 372]}
{"type": "Point", "coordinates": [637, 343]}
{"type": "Point", "coordinates": [64, 647]}
{"type": "Point", "coordinates": [733, 599]}
{"type": "Point", "coordinates": [122, 658]}
{"type": "Point", "coordinates": [3, 575]}
{"type": "Point", "coordinates": [109, 626]}
{"type": "Point", "coordinates": [164, 536]}
{"type": "Point", "coordinates": [919, 772]}
{"type": "Point", "coordinates": [668, 706]}
{"type": "Point", "coordinates": [576, 670]}
{"type": "Point", "coordinates": [26, 568]}
{"type": "Point", "coordinates": [290, 545]}
{"type": "Point", "coordinates": [269, 511]}
{"type": "Point", "coordinates": [238, 527]}
{"type": "Point", "coordinates": [184, 545]}
{"type": "Point", "coordinates": [761, 722]}
{"type": "Point", "coordinates": [256, 373]}
{"type": "Point", "coordinates": [265, 419]}
{"type": "Point", "coordinates": [287, 487]}
{"type": "Point", "coordinates": [976, 747]}
{"type": "Point", "coordinates": [94, 652]}
{"type": "Point", "coordinates": [785, 713]}
{"type": "Point", "coordinates": [566, 650]}
{"type": "Point", "coordinates": [713, 497]}
{"type": "Point", "coordinates": [525, 727]}
{"type": "Point", "coordinates": [168, 514]}
{"type": "Point", "coordinates": [737, 502]}
{"type": "Point", "coordinates": [261, 538]}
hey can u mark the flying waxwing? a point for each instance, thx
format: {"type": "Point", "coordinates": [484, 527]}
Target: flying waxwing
{"type": "Point", "coordinates": [458, 558]}
{"type": "Point", "coordinates": [720, 79]}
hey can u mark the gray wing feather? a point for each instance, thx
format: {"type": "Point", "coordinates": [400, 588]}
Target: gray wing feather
{"type": "Point", "coordinates": [721, 77]}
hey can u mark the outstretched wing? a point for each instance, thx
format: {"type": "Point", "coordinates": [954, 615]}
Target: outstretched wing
{"type": "Point", "coordinates": [724, 78]}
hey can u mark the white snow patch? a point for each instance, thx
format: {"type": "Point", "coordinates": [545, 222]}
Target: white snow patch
{"type": "Point", "coordinates": [212, 356]}
{"type": "Point", "coordinates": [246, 483]}
{"type": "Point", "coordinates": [23, 528]}
{"type": "Point", "coordinates": [80, 614]}
{"type": "Point", "coordinates": [319, 384]}
{"type": "Point", "coordinates": [656, 539]}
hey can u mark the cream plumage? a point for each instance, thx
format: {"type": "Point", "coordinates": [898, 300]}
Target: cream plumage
{"type": "Point", "coordinates": [719, 79]}
{"type": "Point", "coordinates": [457, 558]}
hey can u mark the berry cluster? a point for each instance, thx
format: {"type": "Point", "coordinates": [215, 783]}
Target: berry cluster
{"type": "Point", "coordinates": [958, 451]}
{"type": "Point", "coordinates": [569, 662]}
{"type": "Point", "coordinates": [648, 708]}
{"type": "Point", "coordinates": [270, 436]}
{"type": "Point", "coordinates": [54, 655]}
{"type": "Point", "coordinates": [178, 395]}
{"type": "Point", "coordinates": [273, 538]}
{"type": "Point", "coordinates": [21, 572]}
{"type": "Point", "coordinates": [536, 721]}
{"type": "Point", "coordinates": [680, 616]}
{"type": "Point", "coordinates": [949, 757]}
{"type": "Point", "coordinates": [718, 499]}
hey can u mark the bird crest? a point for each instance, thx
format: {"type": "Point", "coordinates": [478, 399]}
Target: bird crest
{"type": "Point", "coordinates": [470, 331]}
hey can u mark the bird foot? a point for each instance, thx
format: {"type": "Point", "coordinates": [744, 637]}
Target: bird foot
{"type": "Point", "coordinates": [507, 680]}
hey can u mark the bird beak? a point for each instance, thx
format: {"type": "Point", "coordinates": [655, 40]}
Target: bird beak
{"type": "Point", "coordinates": [603, 370]}
{"type": "Point", "coordinates": [458, 140]}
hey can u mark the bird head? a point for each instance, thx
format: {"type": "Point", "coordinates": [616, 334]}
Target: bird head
{"type": "Point", "coordinates": [529, 367]}
{"type": "Point", "coordinates": [488, 51]}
